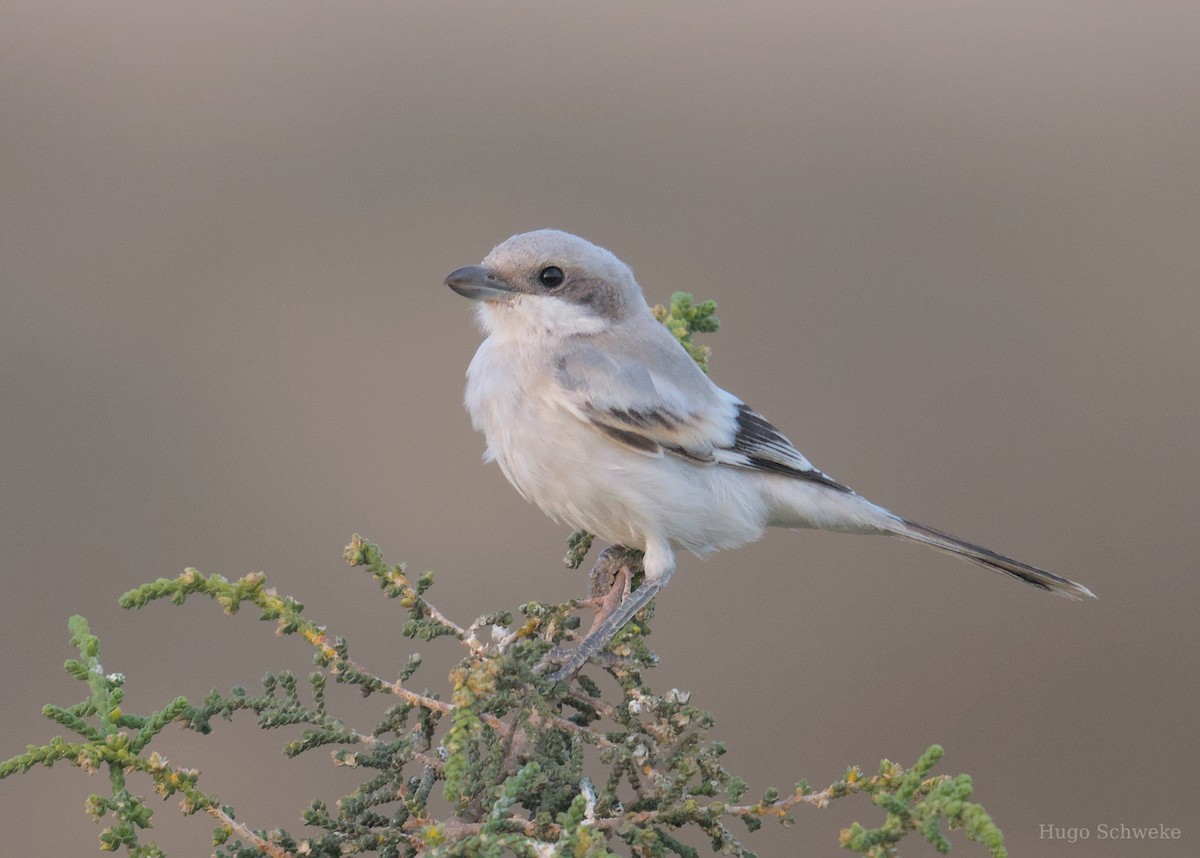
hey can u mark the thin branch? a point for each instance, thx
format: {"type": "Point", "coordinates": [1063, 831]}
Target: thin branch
{"type": "Point", "coordinates": [467, 636]}
{"type": "Point", "coordinates": [242, 831]}
{"type": "Point", "coordinates": [321, 641]}
{"type": "Point", "coordinates": [570, 726]}
{"type": "Point", "coordinates": [428, 761]}
{"type": "Point", "coordinates": [778, 808]}
{"type": "Point", "coordinates": [602, 706]}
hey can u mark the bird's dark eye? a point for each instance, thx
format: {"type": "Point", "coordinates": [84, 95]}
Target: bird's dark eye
{"type": "Point", "coordinates": [552, 277]}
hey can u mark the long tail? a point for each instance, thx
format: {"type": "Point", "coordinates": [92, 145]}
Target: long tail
{"type": "Point", "coordinates": [991, 560]}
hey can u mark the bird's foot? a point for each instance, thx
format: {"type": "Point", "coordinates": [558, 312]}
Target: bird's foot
{"type": "Point", "coordinates": [603, 577]}
{"type": "Point", "coordinates": [607, 660]}
{"type": "Point", "coordinates": [611, 585]}
{"type": "Point", "coordinates": [603, 631]}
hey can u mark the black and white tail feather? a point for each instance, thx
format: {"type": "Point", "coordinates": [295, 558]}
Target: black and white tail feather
{"type": "Point", "coordinates": [760, 446]}
{"type": "Point", "coordinates": [988, 559]}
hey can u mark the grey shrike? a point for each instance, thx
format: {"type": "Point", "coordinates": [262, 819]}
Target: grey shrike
{"type": "Point", "coordinates": [597, 415]}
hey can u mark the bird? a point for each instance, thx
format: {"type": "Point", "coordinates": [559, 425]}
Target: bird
{"type": "Point", "coordinates": [598, 416]}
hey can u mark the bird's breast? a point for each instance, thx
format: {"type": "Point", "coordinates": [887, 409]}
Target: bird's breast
{"type": "Point", "coordinates": [511, 402]}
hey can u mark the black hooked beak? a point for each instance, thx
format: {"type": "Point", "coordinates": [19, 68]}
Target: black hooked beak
{"type": "Point", "coordinates": [479, 284]}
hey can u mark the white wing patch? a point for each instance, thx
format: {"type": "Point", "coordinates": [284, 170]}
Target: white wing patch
{"type": "Point", "coordinates": [760, 446]}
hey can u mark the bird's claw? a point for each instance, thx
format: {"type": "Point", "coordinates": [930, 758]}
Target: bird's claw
{"type": "Point", "coordinates": [611, 586]}
{"type": "Point", "coordinates": [602, 632]}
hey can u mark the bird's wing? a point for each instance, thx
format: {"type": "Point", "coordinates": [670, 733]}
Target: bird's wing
{"type": "Point", "coordinates": [651, 411]}
{"type": "Point", "coordinates": [667, 405]}
{"type": "Point", "coordinates": [759, 446]}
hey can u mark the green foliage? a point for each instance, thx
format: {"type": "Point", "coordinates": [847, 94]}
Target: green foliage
{"type": "Point", "coordinates": [578, 545]}
{"type": "Point", "coordinates": [685, 317]}
{"type": "Point", "coordinates": [508, 747]}
{"type": "Point", "coordinates": [914, 801]}
{"type": "Point", "coordinates": [113, 741]}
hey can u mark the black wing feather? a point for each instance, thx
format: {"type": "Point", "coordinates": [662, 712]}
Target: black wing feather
{"type": "Point", "coordinates": [765, 448]}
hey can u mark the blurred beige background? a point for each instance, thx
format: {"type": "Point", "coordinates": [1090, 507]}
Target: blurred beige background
{"type": "Point", "coordinates": [956, 249]}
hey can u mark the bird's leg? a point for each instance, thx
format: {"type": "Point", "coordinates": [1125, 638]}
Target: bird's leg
{"type": "Point", "coordinates": [603, 632]}
{"type": "Point", "coordinates": [658, 563]}
{"type": "Point", "coordinates": [607, 567]}
{"type": "Point", "coordinates": [618, 589]}
{"type": "Point", "coordinates": [611, 582]}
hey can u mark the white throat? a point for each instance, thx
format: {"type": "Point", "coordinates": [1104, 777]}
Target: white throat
{"type": "Point", "coordinates": [529, 317]}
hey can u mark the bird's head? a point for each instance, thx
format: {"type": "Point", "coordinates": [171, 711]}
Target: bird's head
{"type": "Point", "coordinates": [549, 283]}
